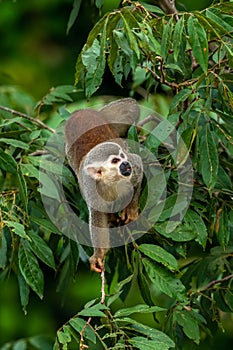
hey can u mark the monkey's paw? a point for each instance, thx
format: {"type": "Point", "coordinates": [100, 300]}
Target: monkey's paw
{"type": "Point", "coordinates": [129, 214]}
{"type": "Point", "coordinates": [96, 264]}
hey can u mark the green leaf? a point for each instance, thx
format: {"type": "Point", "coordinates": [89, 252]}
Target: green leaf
{"type": "Point", "coordinates": [7, 162]}
{"type": "Point", "coordinates": [159, 338]}
{"type": "Point", "coordinates": [118, 289]}
{"type": "Point", "coordinates": [51, 167]}
{"type": "Point", "coordinates": [49, 186]}
{"type": "Point", "coordinates": [122, 283]}
{"type": "Point", "coordinates": [156, 335]}
{"type": "Point", "coordinates": [141, 308]}
{"type": "Point", "coordinates": [90, 56]}
{"type": "Point", "coordinates": [113, 49]}
{"type": "Point", "coordinates": [178, 33]}
{"type": "Point", "coordinates": [41, 342]}
{"type": "Point", "coordinates": [173, 206]}
{"type": "Point", "coordinates": [223, 180]}
{"type": "Point", "coordinates": [29, 170]}
{"type": "Point", "coordinates": [94, 311]}
{"type": "Point", "coordinates": [64, 335]}
{"type": "Point", "coordinates": [182, 232]}
{"type": "Point", "coordinates": [197, 224]}
{"type": "Point", "coordinates": [219, 298]}
{"type": "Point", "coordinates": [209, 161]}
{"type": "Point", "coordinates": [58, 94]}
{"type": "Point", "coordinates": [221, 226]}
{"type": "Point", "coordinates": [158, 135]}
{"type": "Point", "coordinates": [229, 299]}
{"type": "Point", "coordinates": [56, 345]}
{"type": "Point", "coordinates": [80, 325]}
{"type": "Point", "coordinates": [132, 40]}
{"type": "Point", "coordinates": [118, 69]}
{"type": "Point", "coordinates": [218, 21]}
{"type": "Point", "coordinates": [154, 44]}
{"type": "Point", "coordinates": [94, 60]}
{"type": "Point", "coordinates": [23, 292]}
{"type": "Point", "coordinates": [155, 201]}
{"type": "Point", "coordinates": [144, 286]}
{"type": "Point", "coordinates": [22, 189]}
{"type": "Point", "coordinates": [42, 250]}
{"type": "Point", "coordinates": [132, 134]}
{"type": "Point", "coordinates": [152, 8]}
{"type": "Point", "coordinates": [73, 15]}
{"type": "Point", "coordinates": [166, 38]}
{"type": "Point", "coordinates": [30, 268]}
{"type": "Point", "coordinates": [189, 321]}
{"type": "Point", "coordinates": [14, 143]}
{"type": "Point", "coordinates": [145, 344]}
{"type": "Point", "coordinates": [160, 255]}
{"type": "Point", "coordinates": [122, 42]}
{"type": "Point", "coordinates": [20, 344]}
{"type": "Point", "coordinates": [17, 228]}
{"type": "Point", "coordinates": [165, 281]}
{"type": "Point", "coordinates": [198, 42]}
{"type": "Point", "coordinates": [182, 96]}
{"type": "Point", "coordinates": [46, 224]}
{"type": "Point", "coordinates": [3, 250]}
{"type": "Point", "coordinates": [99, 3]}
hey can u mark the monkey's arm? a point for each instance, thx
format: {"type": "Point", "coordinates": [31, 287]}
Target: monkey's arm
{"type": "Point", "coordinates": [130, 213]}
{"type": "Point", "coordinates": [99, 230]}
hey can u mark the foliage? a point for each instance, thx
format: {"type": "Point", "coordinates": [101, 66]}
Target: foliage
{"type": "Point", "coordinates": [187, 273]}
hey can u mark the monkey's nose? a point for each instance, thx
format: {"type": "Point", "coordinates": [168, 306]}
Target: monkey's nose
{"type": "Point", "coordinates": [125, 168]}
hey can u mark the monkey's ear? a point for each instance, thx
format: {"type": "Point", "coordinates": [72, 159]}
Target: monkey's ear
{"type": "Point", "coordinates": [94, 171]}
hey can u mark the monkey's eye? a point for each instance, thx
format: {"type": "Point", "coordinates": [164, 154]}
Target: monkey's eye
{"type": "Point", "coordinates": [115, 160]}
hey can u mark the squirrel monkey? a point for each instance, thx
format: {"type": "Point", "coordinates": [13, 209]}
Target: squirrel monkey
{"type": "Point", "coordinates": [109, 177]}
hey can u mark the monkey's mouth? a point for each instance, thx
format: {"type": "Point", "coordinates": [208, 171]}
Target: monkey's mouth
{"type": "Point", "coordinates": [125, 168]}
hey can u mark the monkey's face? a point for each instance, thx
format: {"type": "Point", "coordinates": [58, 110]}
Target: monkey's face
{"type": "Point", "coordinates": [114, 168]}
{"type": "Point", "coordinates": [107, 174]}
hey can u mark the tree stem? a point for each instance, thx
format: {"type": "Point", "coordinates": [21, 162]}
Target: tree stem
{"type": "Point", "coordinates": [212, 283]}
{"type": "Point", "coordinates": [168, 6]}
{"type": "Point", "coordinates": [23, 115]}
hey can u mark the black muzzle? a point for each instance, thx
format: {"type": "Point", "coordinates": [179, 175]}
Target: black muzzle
{"type": "Point", "coordinates": [125, 168]}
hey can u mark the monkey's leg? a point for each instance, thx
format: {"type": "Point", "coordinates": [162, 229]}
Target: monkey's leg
{"type": "Point", "coordinates": [99, 230]}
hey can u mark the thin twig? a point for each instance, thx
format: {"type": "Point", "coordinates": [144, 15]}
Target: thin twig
{"type": "Point", "coordinates": [148, 119]}
{"type": "Point", "coordinates": [212, 283]}
{"type": "Point", "coordinates": [172, 84]}
{"type": "Point", "coordinates": [23, 115]}
{"type": "Point", "coordinates": [102, 287]}
{"type": "Point", "coordinates": [82, 345]}
{"type": "Point", "coordinates": [39, 153]}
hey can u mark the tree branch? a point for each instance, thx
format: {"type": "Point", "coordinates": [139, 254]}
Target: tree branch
{"type": "Point", "coordinates": [150, 118]}
{"type": "Point", "coordinates": [212, 283]}
{"type": "Point", "coordinates": [168, 6]}
{"type": "Point", "coordinates": [23, 115]}
{"type": "Point", "coordinates": [82, 345]}
{"type": "Point", "coordinates": [102, 287]}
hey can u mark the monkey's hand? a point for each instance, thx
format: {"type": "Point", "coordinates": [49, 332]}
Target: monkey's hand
{"type": "Point", "coordinates": [130, 213]}
{"type": "Point", "coordinates": [97, 260]}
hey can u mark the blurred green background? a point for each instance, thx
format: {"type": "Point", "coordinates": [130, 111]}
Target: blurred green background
{"type": "Point", "coordinates": [36, 54]}
{"type": "Point", "coordinates": [35, 51]}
